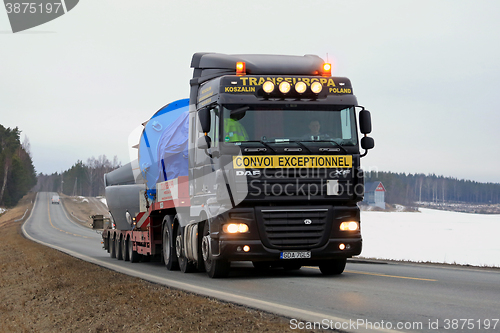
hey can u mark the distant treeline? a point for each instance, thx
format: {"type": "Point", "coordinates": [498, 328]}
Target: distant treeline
{"type": "Point", "coordinates": [407, 189]}
{"type": "Point", "coordinates": [85, 179]}
{"type": "Point", "coordinates": [17, 173]}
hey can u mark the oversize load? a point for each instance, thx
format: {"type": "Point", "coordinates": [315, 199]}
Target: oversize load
{"type": "Point", "coordinates": [292, 161]}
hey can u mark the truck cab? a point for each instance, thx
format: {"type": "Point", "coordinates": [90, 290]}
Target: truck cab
{"type": "Point", "coordinates": [279, 137]}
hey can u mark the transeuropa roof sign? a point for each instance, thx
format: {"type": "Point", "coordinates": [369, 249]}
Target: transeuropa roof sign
{"type": "Point", "coordinates": [286, 86]}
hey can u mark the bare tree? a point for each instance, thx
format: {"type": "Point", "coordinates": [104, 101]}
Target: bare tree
{"type": "Point", "coordinates": [95, 169]}
{"type": "Point", "coordinates": [27, 145]}
{"type": "Point", "coordinates": [91, 174]}
{"type": "Point", "coordinates": [421, 181]}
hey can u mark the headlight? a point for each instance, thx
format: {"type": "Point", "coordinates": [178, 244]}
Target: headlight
{"type": "Point", "coordinates": [349, 226]}
{"type": "Point", "coordinates": [232, 228]}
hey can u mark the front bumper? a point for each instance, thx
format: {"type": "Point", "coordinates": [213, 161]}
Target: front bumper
{"type": "Point", "coordinates": [273, 230]}
{"type": "Point", "coordinates": [232, 250]}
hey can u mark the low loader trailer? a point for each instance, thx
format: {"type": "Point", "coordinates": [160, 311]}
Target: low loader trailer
{"type": "Point", "coordinates": [261, 163]}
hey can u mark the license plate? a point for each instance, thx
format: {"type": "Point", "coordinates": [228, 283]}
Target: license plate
{"type": "Point", "coordinates": [295, 255]}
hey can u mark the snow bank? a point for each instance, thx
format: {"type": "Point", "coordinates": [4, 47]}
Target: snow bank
{"type": "Point", "coordinates": [103, 200]}
{"type": "Point", "coordinates": [433, 235]}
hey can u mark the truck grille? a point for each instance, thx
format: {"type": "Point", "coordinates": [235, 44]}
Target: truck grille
{"type": "Point", "coordinates": [294, 228]}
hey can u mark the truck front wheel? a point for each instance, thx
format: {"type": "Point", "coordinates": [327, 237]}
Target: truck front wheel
{"type": "Point", "coordinates": [332, 266]}
{"type": "Point", "coordinates": [215, 268]}
{"type": "Point", "coordinates": [169, 255]}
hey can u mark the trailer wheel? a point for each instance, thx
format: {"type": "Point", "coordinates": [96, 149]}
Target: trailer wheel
{"type": "Point", "coordinates": [118, 249]}
{"type": "Point", "coordinates": [184, 264]}
{"type": "Point", "coordinates": [215, 268]}
{"type": "Point", "coordinates": [332, 266]}
{"type": "Point", "coordinates": [124, 244]}
{"type": "Point", "coordinates": [112, 248]}
{"type": "Point", "coordinates": [133, 255]}
{"type": "Point", "coordinates": [169, 254]}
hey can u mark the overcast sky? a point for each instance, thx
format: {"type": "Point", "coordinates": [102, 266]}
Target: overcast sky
{"type": "Point", "coordinates": [429, 71]}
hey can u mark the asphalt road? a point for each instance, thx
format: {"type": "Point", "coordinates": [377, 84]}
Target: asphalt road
{"type": "Point", "coordinates": [368, 296]}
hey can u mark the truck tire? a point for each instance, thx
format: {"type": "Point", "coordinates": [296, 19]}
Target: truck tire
{"type": "Point", "coordinates": [112, 248]}
{"type": "Point", "coordinates": [169, 253]}
{"type": "Point", "coordinates": [118, 249]}
{"type": "Point", "coordinates": [124, 244]}
{"type": "Point", "coordinates": [184, 264]}
{"type": "Point", "coordinates": [133, 255]}
{"type": "Point", "coordinates": [332, 266]}
{"type": "Point", "coordinates": [215, 268]}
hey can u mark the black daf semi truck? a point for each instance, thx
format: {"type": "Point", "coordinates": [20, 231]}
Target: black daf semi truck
{"type": "Point", "coordinates": [269, 170]}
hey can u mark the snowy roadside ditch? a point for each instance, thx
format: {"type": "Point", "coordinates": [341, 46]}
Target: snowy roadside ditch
{"type": "Point", "coordinates": [432, 236]}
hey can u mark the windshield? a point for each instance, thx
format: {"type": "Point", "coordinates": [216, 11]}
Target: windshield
{"type": "Point", "coordinates": [289, 123]}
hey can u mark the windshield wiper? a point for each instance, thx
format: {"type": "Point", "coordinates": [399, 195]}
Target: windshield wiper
{"type": "Point", "coordinates": [329, 140]}
{"type": "Point", "coordinates": [302, 146]}
{"type": "Point", "coordinates": [339, 145]}
{"type": "Point", "coordinates": [263, 143]}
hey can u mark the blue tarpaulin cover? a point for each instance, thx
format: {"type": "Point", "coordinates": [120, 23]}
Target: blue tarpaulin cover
{"type": "Point", "coordinates": [163, 148]}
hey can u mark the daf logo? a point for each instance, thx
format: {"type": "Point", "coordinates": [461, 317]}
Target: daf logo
{"type": "Point", "coordinates": [343, 173]}
{"type": "Point", "coordinates": [307, 221]}
{"type": "Point", "coordinates": [248, 173]}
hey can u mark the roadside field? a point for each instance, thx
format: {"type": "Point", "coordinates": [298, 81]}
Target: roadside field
{"type": "Point", "coordinates": [44, 290]}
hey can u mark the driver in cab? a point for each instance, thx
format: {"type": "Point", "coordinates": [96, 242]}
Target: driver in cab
{"type": "Point", "coordinates": [315, 133]}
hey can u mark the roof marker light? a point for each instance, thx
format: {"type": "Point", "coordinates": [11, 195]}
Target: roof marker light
{"type": "Point", "coordinates": [327, 69]}
{"type": "Point", "coordinates": [284, 87]}
{"type": "Point", "coordinates": [241, 68]}
{"type": "Point", "coordinates": [300, 87]}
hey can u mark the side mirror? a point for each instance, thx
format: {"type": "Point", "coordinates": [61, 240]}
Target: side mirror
{"type": "Point", "coordinates": [204, 116]}
{"type": "Point", "coordinates": [367, 143]}
{"type": "Point", "coordinates": [365, 122]}
{"type": "Point", "coordinates": [204, 142]}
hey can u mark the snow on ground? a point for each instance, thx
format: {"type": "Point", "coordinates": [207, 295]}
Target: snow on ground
{"type": "Point", "coordinates": [2, 210]}
{"type": "Point", "coordinates": [103, 200]}
{"type": "Point", "coordinates": [432, 236]}
{"type": "Point", "coordinates": [81, 199]}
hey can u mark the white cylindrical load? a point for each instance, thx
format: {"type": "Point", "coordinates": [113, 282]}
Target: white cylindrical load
{"type": "Point", "coordinates": [123, 198]}
{"type": "Point", "coordinates": [123, 175]}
